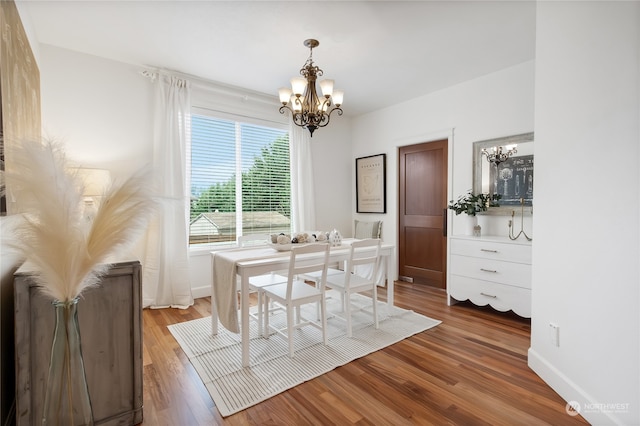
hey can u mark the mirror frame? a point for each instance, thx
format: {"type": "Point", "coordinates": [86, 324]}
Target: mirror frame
{"type": "Point", "coordinates": [477, 167]}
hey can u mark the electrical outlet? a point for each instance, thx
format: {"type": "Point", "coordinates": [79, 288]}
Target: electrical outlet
{"type": "Point", "coordinates": [554, 333]}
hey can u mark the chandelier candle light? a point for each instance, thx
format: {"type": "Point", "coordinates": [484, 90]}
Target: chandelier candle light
{"type": "Point", "coordinates": [307, 109]}
{"type": "Point", "coordinates": [497, 155]}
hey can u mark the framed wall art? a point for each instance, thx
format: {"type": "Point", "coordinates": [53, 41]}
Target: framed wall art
{"type": "Point", "coordinates": [371, 184]}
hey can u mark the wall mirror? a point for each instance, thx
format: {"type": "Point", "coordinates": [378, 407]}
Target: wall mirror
{"type": "Point", "coordinates": [511, 178]}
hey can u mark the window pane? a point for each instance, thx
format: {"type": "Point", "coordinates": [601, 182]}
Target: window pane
{"type": "Point", "coordinates": [223, 149]}
{"type": "Point", "coordinates": [266, 189]}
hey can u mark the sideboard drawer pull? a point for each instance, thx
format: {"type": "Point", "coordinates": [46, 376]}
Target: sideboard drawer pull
{"type": "Point", "coordinates": [489, 270]}
{"type": "Point", "coordinates": [489, 251]}
{"type": "Point", "coordinates": [489, 295]}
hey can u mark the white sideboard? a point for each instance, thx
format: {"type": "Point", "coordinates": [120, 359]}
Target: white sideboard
{"type": "Point", "coordinates": [493, 271]}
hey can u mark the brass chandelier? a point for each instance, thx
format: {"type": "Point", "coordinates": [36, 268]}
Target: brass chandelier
{"type": "Point", "coordinates": [308, 110]}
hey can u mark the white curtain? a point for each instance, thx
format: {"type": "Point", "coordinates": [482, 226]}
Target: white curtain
{"type": "Point", "coordinates": [303, 211]}
{"type": "Point", "coordinates": [166, 259]}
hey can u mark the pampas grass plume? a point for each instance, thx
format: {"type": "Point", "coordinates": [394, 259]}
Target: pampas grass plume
{"type": "Point", "coordinates": [67, 253]}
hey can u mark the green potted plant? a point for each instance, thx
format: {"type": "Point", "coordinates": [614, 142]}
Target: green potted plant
{"type": "Point", "coordinates": [471, 203]}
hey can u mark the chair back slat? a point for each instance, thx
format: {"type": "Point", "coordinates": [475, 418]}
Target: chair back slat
{"type": "Point", "coordinates": [299, 263]}
{"type": "Point", "coordinates": [363, 252]}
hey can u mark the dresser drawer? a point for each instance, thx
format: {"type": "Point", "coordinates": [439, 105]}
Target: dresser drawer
{"type": "Point", "coordinates": [498, 296]}
{"type": "Point", "coordinates": [491, 250]}
{"type": "Point", "coordinates": [510, 273]}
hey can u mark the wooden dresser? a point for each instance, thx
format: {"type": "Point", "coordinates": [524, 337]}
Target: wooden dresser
{"type": "Point", "coordinates": [493, 271]}
{"type": "Point", "coordinates": [110, 319]}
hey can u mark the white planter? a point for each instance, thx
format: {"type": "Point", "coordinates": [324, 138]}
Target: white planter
{"type": "Point", "coordinates": [470, 223]}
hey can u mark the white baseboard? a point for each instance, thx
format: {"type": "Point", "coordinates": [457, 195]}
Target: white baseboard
{"type": "Point", "coordinates": [569, 391]}
{"type": "Point", "coordinates": [203, 291]}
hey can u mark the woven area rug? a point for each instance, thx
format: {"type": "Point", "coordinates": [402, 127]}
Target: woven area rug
{"type": "Point", "coordinates": [217, 359]}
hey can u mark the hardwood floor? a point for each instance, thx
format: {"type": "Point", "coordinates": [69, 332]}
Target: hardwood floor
{"type": "Point", "coordinates": [469, 370]}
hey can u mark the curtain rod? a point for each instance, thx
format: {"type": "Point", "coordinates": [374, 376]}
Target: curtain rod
{"type": "Point", "coordinates": [202, 83]}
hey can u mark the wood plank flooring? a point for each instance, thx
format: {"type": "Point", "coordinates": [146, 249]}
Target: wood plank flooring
{"type": "Point", "coordinates": [469, 370]}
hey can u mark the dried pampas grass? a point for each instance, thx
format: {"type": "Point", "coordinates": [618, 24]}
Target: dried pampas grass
{"type": "Point", "coordinates": [68, 253]}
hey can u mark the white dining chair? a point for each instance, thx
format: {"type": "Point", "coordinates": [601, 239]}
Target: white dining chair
{"type": "Point", "coordinates": [296, 292]}
{"type": "Point", "coordinates": [348, 282]}
{"type": "Point", "coordinates": [315, 277]}
{"type": "Point", "coordinates": [258, 283]}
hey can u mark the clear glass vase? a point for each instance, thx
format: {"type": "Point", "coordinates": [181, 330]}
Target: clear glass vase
{"type": "Point", "coordinates": [67, 400]}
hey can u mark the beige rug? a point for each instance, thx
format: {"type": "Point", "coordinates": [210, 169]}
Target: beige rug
{"type": "Point", "coordinates": [233, 388]}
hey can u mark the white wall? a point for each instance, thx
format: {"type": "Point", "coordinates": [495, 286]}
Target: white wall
{"type": "Point", "coordinates": [499, 104]}
{"type": "Point", "coordinates": [586, 254]}
{"type": "Point", "coordinates": [100, 109]}
{"type": "Point", "coordinates": [333, 170]}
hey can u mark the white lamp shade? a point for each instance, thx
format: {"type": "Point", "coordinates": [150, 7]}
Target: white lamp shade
{"type": "Point", "coordinates": [338, 97]}
{"type": "Point", "coordinates": [96, 181]}
{"type": "Point", "coordinates": [285, 94]}
{"type": "Point", "coordinates": [298, 85]}
{"type": "Point", "coordinates": [327, 88]}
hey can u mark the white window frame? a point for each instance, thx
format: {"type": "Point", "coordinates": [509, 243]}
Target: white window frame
{"type": "Point", "coordinates": [237, 119]}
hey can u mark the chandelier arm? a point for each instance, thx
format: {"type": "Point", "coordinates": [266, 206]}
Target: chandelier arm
{"type": "Point", "coordinates": [324, 103]}
{"type": "Point", "coordinates": [285, 107]}
{"type": "Point", "coordinates": [327, 116]}
{"type": "Point", "coordinates": [297, 117]}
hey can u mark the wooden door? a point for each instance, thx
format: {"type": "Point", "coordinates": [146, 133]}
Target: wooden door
{"type": "Point", "coordinates": [422, 213]}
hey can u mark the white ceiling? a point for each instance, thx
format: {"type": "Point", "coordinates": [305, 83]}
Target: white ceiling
{"type": "Point", "coordinates": [379, 52]}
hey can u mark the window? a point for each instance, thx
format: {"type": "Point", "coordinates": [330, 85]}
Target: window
{"type": "Point", "coordinates": [259, 201]}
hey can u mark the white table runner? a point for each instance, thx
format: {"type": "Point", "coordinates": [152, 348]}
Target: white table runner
{"type": "Point", "coordinates": [225, 284]}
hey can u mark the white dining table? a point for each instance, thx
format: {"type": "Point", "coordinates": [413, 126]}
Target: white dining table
{"type": "Point", "coordinates": [248, 262]}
